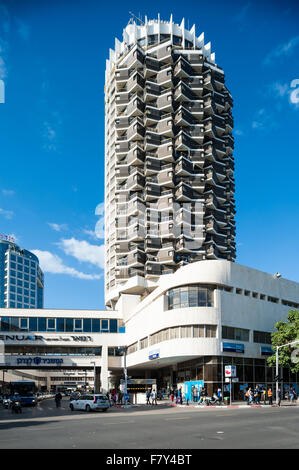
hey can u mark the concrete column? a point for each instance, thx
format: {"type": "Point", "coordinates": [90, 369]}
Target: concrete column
{"type": "Point", "coordinates": [104, 370]}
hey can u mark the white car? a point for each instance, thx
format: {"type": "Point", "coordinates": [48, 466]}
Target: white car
{"type": "Point", "coordinates": [90, 402]}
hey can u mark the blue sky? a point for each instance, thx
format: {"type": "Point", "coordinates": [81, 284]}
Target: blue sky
{"type": "Point", "coordinates": [52, 62]}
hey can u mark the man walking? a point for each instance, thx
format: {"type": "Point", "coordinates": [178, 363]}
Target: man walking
{"type": "Point", "coordinates": [148, 396]}
{"type": "Point", "coordinates": [256, 395]}
{"type": "Point", "coordinates": [270, 395]}
{"type": "Point", "coordinates": [154, 397]}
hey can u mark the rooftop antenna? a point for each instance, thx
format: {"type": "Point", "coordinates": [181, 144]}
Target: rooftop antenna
{"type": "Point", "coordinates": [136, 18]}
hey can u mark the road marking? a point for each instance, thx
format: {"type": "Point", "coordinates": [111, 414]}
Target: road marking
{"type": "Point", "coordinates": [119, 422]}
{"type": "Point", "coordinates": [171, 419]}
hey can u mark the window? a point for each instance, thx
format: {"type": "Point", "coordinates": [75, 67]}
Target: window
{"type": "Point", "coordinates": [238, 334]}
{"type": "Point", "coordinates": [51, 324]}
{"type": "Point", "coordinates": [24, 323]}
{"type": "Point", "coordinates": [96, 325]}
{"type": "Point", "coordinates": [60, 324]}
{"type": "Point", "coordinates": [211, 331]}
{"type": "Point", "coordinates": [69, 324]}
{"type": "Point", "coordinates": [190, 296]}
{"type": "Point", "coordinates": [104, 325]}
{"type": "Point", "coordinates": [32, 324]}
{"type": "Point", "coordinates": [113, 326]}
{"type": "Point", "coordinates": [42, 324]}
{"type": "Point", "coordinates": [87, 325]}
{"type": "Point", "coordinates": [78, 324]}
{"type": "Point", "coordinates": [262, 337]}
{"type": "Point", "coordinates": [199, 331]}
{"type": "Point", "coordinates": [143, 343]}
{"type": "Point", "coordinates": [186, 332]}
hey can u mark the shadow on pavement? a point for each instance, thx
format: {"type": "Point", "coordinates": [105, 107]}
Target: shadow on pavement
{"type": "Point", "coordinates": [24, 424]}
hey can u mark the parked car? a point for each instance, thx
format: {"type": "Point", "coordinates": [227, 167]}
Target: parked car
{"type": "Point", "coordinates": [90, 402]}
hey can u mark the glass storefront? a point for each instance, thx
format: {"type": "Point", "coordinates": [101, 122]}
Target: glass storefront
{"type": "Point", "coordinates": [210, 369]}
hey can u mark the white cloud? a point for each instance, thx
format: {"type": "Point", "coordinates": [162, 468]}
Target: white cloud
{"type": "Point", "coordinates": [84, 251]}
{"type": "Point", "coordinates": [8, 192]}
{"type": "Point", "coordinates": [282, 50]}
{"type": "Point", "coordinates": [3, 59]}
{"type": "Point", "coordinates": [6, 214]}
{"type": "Point", "coordinates": [294, 95]}
{"type": "Point", "coordinates": [58, 227]}
{"type": "Point", "coordinates": [52, 263]}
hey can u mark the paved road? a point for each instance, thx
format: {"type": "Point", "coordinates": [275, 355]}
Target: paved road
{"type": "Point", "coordinates": [154, 428]}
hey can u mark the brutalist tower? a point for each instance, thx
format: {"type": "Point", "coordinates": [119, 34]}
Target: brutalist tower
{"type": "Point", "coordinates": [169, 184]}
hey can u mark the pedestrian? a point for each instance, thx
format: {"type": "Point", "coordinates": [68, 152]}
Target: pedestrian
{"type": "Point", "coordinates": [154, 397]}
{"type": "Point", "coordinates": [58, 398]}
{"type": "Point", "coordinates": [219, 393]}
{"type": "Point", "coordinates": [270, 395]}
{"type": "Point", "coordinates": [172, 395]}
{"type": "Point", "coordinates": [256, 395]}
{"type": "Point", "coordinates": [250, 396]}
{"type": "Point", "coordinates": [279, 396]}
{"type": "Point", "coordinates": [179, 400]}
{"type": "Point", "coordinates": [264, 395]}
{"type": "Point", "coordinates": [148, 396]}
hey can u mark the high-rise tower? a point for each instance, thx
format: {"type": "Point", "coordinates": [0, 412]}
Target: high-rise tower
{"type": "Point", "coordinates": [21, 278]}
{"type": "Point", "coordinates": [169, 185]}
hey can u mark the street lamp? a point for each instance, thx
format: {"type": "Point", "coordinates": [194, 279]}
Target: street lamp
{"type": "Point", "coordinates": [277, 373]}
{"type": "Point", "coordinates": [124, 350]}
{"type": "Point", "coordinates": [94, 376]}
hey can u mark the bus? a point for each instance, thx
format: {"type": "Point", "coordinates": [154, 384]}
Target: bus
{"type": "Point", "coordinates": [26, 392]}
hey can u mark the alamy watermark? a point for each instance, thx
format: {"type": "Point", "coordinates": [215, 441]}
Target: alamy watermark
{"type": "Point", "coordinates": [2, 91]}
{"type": "Point", "coordinates": [294, 96]}
{"type": "Point", "coordinates": [295, 356]}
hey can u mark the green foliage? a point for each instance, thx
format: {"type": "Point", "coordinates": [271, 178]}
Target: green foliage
{"type": "Point", "coordinates": [286, 333]}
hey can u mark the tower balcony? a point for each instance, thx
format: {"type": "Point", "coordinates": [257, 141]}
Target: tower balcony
{"type": "Point", "coordinates": [135, 83]}
{"type": "Point", "coordinates": [183, 117]}
{"type": "Point", "coordinates": [152, 115]}
{"type": "Point", "coordinates": [182, 69]}
{"type": "Point", "coordinates": [195, 84]}
{"type": "Point", "coordinates": [164, 101]}
{"type": "Point", "coordinates": [152, 166]}
{"type": "Point", "coordinates": [135, 156]}
{"type": "Point", "coordinates": [135, 107]}
{"type": "Point", "coordinates": [164, 77]}
{"type": "Point", "coordinates": [165, 126]}
{"type": "Point", "coordinates": [184, 142]}
{"type": "Point", "coordinates": [184, 167]}
{"type": "Point", "coordinates": [182, 93]}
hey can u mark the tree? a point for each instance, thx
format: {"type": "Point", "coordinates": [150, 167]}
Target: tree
{"type": "Point", "coordinates": [286, 333]}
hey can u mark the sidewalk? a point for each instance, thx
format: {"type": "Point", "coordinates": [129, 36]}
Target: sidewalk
{"type": "Point", "coordinates": [236, 404]}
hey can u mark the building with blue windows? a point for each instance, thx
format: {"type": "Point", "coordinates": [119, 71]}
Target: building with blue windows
{"type": "Point", "coordinates": [21, 279]}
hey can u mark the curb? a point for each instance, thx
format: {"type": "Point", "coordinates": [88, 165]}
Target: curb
{"type": "Point", "coordinates": [220, 407]}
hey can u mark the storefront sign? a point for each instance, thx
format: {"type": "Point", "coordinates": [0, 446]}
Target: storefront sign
{"type": "Point", "coordinates": [266, 351]}
{"type": "Point", "coordinates": [230, 371]}
{"type": "Point", "coordinates": [25, 337]}
{"type": "Point", "coordinates": [233, 347]}
{"type": "Point", "coordinates": [154, 354]}
{"type": "Point", "coordinates": [39, 361]}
